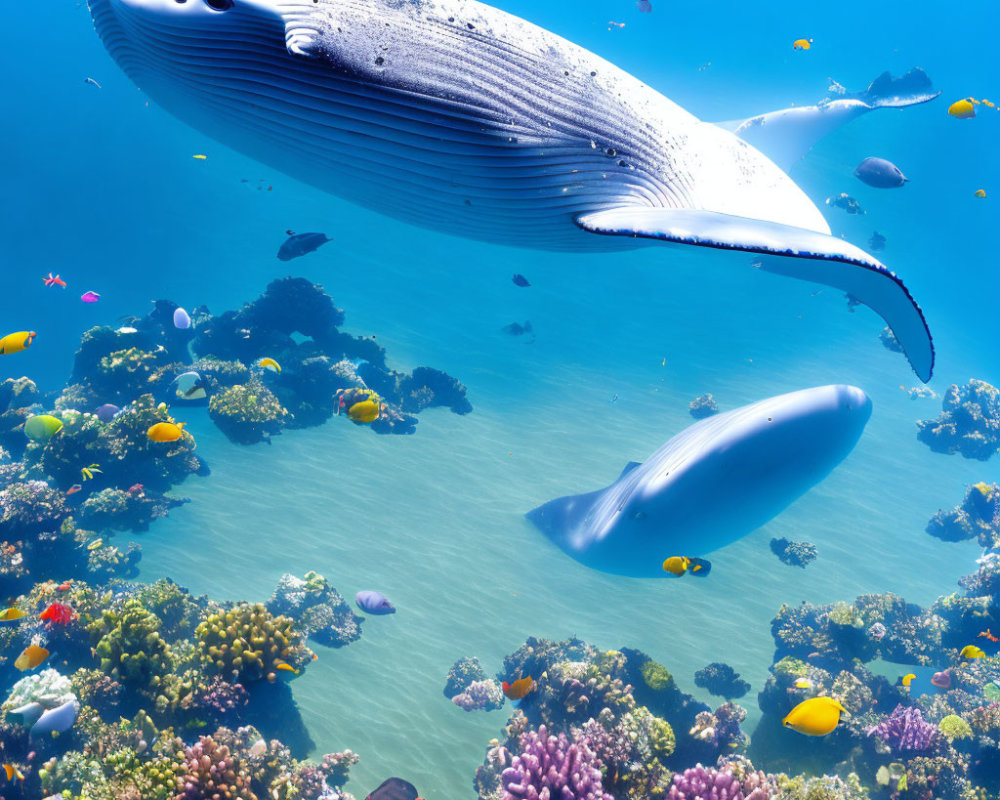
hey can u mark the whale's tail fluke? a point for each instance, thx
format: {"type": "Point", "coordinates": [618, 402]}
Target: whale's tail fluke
{"type": "Point", "coordinates": [909, 89]}
{"type": "Point", "coordinates": [786, 135]}
{"type": "Point", "coordinates": [808, 255]}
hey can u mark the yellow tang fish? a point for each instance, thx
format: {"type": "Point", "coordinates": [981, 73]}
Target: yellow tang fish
{"type": "Point", "coordinates": [166, 431]}
{"type": "Point", "coordinates": [971, 651]}
{"type": "Point", "coordinates": [16, 342]}
{"type": "Point", "coordinates": [269, 363]}
{"type": "Point", "coordinates": [962, 109]}
{"type": "Point", "coordinates": [908, 679]}
{"type": "Point", "coordinates": [286, 668]}
{"type": "Point", "coordinates": [365, 411]}
{"type": "Point", "coordinates": [816, 716]}
{"type": "Point", "coordinates": [32, 656]}
{"type": "Point", "coordinates": [12, 614]}
{"type": "Point", "coordinates": [676, 565]}
{"type": "Point", "coordinates": [802, 44]}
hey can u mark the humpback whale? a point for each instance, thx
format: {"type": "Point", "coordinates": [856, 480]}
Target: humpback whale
{"type": "Point", "coordinates": [460, 117]}
{"type": "Point", "coordinates": [711, 484]}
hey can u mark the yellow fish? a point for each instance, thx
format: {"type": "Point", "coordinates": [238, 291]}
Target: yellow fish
{"type": "Point", "coordinates": [12, 614]}
{"type": "Point", "coordinates": [166, 431]}
{"type": "Point", "coordinates": [365, 411]}
{"type": "Point", "coordinates": [88, 471]}
{"type": "Point", "coordinates": [803, 683]}
{"type": "Point", "coordinates": [676, 565]}
{"type": "Point", "coordinates": [95, 544]}
{"type": "Point", "coordinates": [908, 679]}
{"type": "Point", "coordinates": [13, 772]}
{"type": "Point", "coordinates": [802, 44]}
{"type": "Point", "coordinates": [971, 651]}
{"type": "Point", "coordinates": [16, 342]}
{"type": "Point", "coordinates": [286, 668]}
{"type": "Point", "coordinates": [962, 109]}
{"type": "Point", "coordinates": [980, 193]}
{"type": "Point", "coordinates": [199, 157]}
{"type": "Point", "coordinates": [269, 363]}
{"type": "Point", "coordinates": [32, 656]}
{"type": "Point", "coordinates": [816, 716]}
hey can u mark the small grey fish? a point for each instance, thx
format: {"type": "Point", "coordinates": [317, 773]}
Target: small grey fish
{"type": "Point", "coordinates": [880, 173]}
{"type": "Point", "coordinates": [300, 244]}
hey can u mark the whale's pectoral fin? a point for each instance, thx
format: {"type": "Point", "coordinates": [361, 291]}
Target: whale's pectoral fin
{"type": "Point", "coordinates": [807, 255]}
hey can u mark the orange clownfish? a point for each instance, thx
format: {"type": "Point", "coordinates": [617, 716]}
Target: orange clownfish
{"type": "Point", "coordinates": [519, 688]}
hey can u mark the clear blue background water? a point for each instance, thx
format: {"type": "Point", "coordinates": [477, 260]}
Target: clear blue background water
{"type": "Point", "coordinates": [102, 189]}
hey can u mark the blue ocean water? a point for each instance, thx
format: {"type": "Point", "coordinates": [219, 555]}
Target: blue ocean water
{"type": "Point", "coordinates": [101, 187]}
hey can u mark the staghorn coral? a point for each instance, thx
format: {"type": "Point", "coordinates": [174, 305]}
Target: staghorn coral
{"type": "Point", "coordinates": [552, 767]}
{"type": "Point", "coordinates": [705, 783]}
{"type": "Point", "coordinates": [247, 643]}
{"type": "Point", "coordinates": [905, 731]}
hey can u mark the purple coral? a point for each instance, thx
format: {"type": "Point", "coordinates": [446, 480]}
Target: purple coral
{"type": "Point", "coordinates": [480, 695]}
{"type": "Point", "coordinates": [705, 783]}
{"type": "Point", "coordinates": [553, 768]}
{"type": "Point", "coordinates": [905, 730]}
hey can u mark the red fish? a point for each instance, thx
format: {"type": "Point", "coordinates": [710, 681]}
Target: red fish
{"type": "Point", "coordinates": [73, 489]}
{"type": "Point", "coordinates": [135, 489]}
{"type": "Point", "coordinates": [58, 613]}
{"type": "Point", "coordinates": [54, 281]}
{"type": "Point", "coordinates": [988, 635]}
{"type": "Point", "coordinates": [64, 587]}
{"type": "Point", "coordinates": [519, 688]}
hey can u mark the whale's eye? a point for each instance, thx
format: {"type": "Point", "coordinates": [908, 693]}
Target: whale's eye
{"type": "Point", "coordinates": [220, 5]}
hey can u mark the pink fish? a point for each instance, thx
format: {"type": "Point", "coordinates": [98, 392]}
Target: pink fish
{"type": "Point", "coordinates": [942, 679]}
{"type": "Point", "coordinates": [90, 297]}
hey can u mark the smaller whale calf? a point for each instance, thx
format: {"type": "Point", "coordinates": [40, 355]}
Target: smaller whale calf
{"type": "Point", "coordinates": [710, 485]}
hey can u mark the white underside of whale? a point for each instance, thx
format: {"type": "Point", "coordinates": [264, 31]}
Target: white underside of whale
{"type": "Point", "coordinates": [460, 117]}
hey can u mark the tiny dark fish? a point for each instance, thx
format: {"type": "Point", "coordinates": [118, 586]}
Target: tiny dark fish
{"type": "Point", "coordinates": [394, 789]}
{"type": "Point", "coordinates": [877, 242]}
{"type": "Point", "coordinates": [300, 244]}
{"type": "Point", "coordinates": [880, 173]}
{"type": "Point", "coordinates": [520, 280]}
{"type": "Point", "coordinates": [92, 82]}
{"type": "Point", "coordinates": [846, 202]}
{"type": "Point", "coordinates": [517, 329]}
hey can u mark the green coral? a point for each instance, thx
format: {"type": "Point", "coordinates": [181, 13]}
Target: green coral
{"type": "Point", "coordinates": [655, 675]}
{"type": "Point", "coordinates": [790, 667]}
{"type": "Point", "coordinates": [247, 413]}
{"type": "Point", "coordinates": [247, 643]}
{"type": "Point", "coordinates": [954, 727]}
{"type": "Point", "coordinates": [129, 647]}
{"type": "Point", "coordinates": [826, 787]}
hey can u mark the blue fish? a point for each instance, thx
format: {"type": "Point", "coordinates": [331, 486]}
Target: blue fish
{"type": "Point", "coordinates": [301, 244]}
{"type": "Point", "coordinates": [710, 485]}
{"type": "Point", "coordinates": [374, 602]}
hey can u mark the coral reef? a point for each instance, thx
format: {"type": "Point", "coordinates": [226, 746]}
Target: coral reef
{"type": "Point", "coordinates": [722, 680]}
{"type": "Point", "coordinates": [318, 610]}
{"type": "Point", "coordinates": [977, 517]}
{"type": "Point", "coordinates": [703, 406]}
{"type": "Point", "coordinates": [480, 696]}
{"type": "Point", "coordinates": [247, 643]}
{"type": "Point", "coordinates": [462, 674]}
{"type": "Point", "coordinates": [969, 423]}
{"type": "Point", "coordinates": [551, 766]}
{"type": "Point", "coordinates": [795, 554]}
{"type": "Point", "coordinates": [247, 413]}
